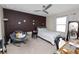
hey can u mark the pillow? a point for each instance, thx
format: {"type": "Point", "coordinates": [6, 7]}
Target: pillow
{"type": "Point", "coordinates": [18, 35]}
{"type": "Point", "coordinates": [42, 29]}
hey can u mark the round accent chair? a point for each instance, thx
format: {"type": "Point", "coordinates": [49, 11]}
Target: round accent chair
{"type": "Point", "coordinates": [18, 36]}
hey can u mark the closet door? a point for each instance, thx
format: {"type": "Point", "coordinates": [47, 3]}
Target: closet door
{"type": "Point", "coordinates": [1, 23]}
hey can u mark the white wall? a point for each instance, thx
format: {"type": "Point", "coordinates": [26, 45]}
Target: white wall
{"type": "Point", "coordinates": [1, 23]}
{"type": "Point", "coordinates": [50, 23]}
{"type": "Point", "coordinates": [51, 20]}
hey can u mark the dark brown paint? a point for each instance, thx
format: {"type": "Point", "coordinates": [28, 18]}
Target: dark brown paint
{"type": "Point", "coordinates": [15, 16]}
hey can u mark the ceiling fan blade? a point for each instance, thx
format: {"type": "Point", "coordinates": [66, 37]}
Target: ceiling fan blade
{"type": "Point", "coordinates": [45, 11]}
{"type": "Point", "coordinates": [37, 10]}
{"type": "Point", "coordinates": [48, 6]}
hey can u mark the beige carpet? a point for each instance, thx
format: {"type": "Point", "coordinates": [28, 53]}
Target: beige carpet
{"type": "Point", "coordinates": [32, 46]}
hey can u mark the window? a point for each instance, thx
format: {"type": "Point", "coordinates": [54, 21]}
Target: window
{"type": "Point", "coordinates": [61, 24]}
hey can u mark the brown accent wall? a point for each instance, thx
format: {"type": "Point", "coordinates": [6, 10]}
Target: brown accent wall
{"type": "Point", "coordinates": [15, 16]}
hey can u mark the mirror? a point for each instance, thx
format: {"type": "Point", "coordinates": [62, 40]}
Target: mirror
{"type": "Point", "coordinates": [73, 30]}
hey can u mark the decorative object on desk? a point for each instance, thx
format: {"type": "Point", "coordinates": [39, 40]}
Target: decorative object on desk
{"type": "Point", "coordinates": [75, 43]}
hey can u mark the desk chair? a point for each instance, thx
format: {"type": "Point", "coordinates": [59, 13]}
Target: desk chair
{"type": "Point", "coordinates": [3, 48]}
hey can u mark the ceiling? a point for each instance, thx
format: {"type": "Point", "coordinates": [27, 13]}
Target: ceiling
{"type": "Point", "coordinates": [29, 8]}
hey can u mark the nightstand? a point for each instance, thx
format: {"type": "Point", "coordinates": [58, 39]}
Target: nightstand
{"type": "Point", "coordinates": [34, 34]}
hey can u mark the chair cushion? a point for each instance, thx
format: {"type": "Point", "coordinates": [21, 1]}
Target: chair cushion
{"type": "Point", "coordinates": [18, 36]}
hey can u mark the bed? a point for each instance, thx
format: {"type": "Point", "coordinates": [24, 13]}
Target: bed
{"type": "Point", "coordinates": [48, 35]}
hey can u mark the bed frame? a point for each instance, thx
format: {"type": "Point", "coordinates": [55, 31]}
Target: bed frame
{"type": "Point", "coordinates": [45, 40]}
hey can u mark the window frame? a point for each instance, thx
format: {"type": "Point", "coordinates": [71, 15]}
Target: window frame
{"type": "Point", "coordinates": [61, 24]}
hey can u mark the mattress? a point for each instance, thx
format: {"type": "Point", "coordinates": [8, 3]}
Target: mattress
{"type": "Point", "coordinates": [48, 35]}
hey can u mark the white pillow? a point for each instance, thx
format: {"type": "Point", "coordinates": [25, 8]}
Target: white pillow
{"type": "Point", "coordinates": [42, 29]}
{"type": "Point", "coordinates": [61, 43]}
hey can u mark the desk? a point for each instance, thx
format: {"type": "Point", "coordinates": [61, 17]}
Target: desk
{"type": "Point", "coordinates": [70, 47]}
{"type": "Point", "coordinates": [75, 43]}
{"type": "Point", "coordinates": [77, 51]}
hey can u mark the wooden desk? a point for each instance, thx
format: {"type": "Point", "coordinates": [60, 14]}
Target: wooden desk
{"type": "Point", "coordinates": [77, 51]}
{"type": "Point", "coordinates": [74, 43]}
{"type": "Point", "coordinates": [63, 50]}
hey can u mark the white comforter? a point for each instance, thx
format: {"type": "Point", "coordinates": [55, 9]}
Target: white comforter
{"type": "Point", "coordinates": [48, 35]}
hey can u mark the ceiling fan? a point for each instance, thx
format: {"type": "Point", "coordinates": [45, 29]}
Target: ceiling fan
{"type": "Point", "coordinates": [44, 8]}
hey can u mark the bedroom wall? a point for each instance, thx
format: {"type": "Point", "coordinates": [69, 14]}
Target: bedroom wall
{"type": "Point", "coordinates": [1, 23]}
{"type": "Point", "coordinates": [14, 17]}
{"type": "Point", "coordinates": [50, 23]}
{"type": "Point", "coordinates": [51, 20]}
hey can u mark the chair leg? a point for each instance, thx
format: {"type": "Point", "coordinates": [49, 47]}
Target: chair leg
{"type": "Point", "coordinates": [24, 42]}
{"type": "Point", "coordinates": [2, 52]}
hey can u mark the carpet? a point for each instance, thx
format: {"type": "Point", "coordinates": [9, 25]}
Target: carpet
{"type": "Point", "coordinates": [32, 46]}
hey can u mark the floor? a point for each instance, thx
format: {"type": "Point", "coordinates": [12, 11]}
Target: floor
{"type": "Point", "coordinates": [32, 46]}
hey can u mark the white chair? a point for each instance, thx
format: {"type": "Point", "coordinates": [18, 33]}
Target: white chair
{"type": "Point", "coordinates": [61, 44]}
{"type": "Point", "coordinates": [3, 48]}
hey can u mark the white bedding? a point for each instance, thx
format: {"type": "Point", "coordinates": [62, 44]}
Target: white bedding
{"type": "Point", "coordinates": [48, 35]}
